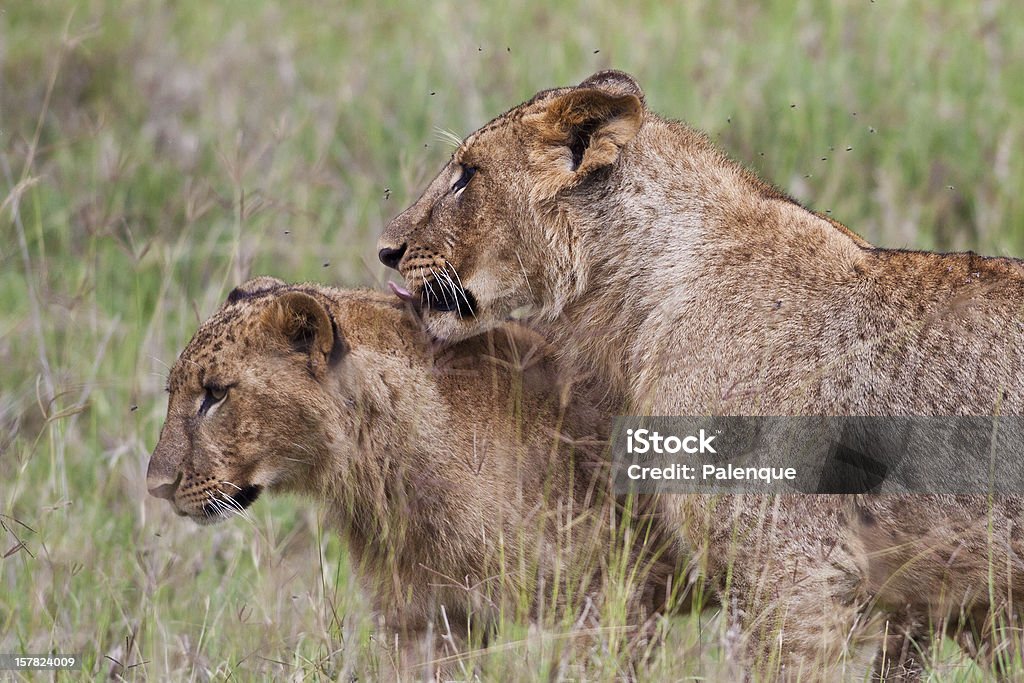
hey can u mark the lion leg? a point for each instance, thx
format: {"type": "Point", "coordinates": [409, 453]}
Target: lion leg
{"type": "Point", "coordinates": [906, 641]}
{"type": "Point", "coordinates": [992, 638]}
{"type": "Point", "coordinates": [794, 583]}
{"type": "Point", "coordinates": [422, 649]}
{"type": "Point", "coordinates": [806, 636]}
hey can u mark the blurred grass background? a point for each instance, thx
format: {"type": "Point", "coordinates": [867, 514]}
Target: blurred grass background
{"type": "Point", "coordinates": [155, 153]}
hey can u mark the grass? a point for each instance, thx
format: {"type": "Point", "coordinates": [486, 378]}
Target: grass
{"type": "Point", "coordinates": [153, 154]}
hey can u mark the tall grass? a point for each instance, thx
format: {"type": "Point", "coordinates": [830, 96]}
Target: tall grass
{"type": "Point", "coordinates": [155, 153]}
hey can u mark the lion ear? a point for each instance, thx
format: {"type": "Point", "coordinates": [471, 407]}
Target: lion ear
{"type": "Point", "coordinates": [615, 82]}
{"type": "Point", "coordinates": [253, 287]}
{"type": "Point", "coordinates": [307, 327]}
{"type": "Point", "coordinates": [585, 130]}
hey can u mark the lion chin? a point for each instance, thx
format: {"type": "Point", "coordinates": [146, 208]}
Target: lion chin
{"type": "Point", "coordinates": [450, 315]}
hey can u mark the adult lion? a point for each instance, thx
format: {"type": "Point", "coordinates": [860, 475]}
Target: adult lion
{"type": "Point", "coordinates": [695, 288]}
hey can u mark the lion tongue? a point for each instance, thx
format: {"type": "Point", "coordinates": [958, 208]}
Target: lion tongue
{"type": "Point", "coordinates": [401, 292]}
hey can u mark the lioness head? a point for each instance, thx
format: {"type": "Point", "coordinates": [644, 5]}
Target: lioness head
{"type": "Point", "coordinates": [254, 398]}
{"type": "Point", "coordinates": [468, 248]}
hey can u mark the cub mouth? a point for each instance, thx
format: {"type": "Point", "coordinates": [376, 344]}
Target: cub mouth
{"type": "Point", "coordinates": [440, 296]}
{"type": "Point", "coordinates": [235, 501]}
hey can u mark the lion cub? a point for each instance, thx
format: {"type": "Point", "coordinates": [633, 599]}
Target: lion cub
{"type": "Point", "coordinates": [466, 482]}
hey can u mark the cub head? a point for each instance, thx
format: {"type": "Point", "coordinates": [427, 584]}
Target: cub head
{"type": "Point", "coordinates": [489, 235]}
{"type": "Point", "coordinates": [249, 403]}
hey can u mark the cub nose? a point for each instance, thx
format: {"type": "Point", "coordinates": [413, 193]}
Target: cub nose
{"type": "Point", "coordinates": [390, 257]}
{"type": "Point", "coordinates": [162, 486]}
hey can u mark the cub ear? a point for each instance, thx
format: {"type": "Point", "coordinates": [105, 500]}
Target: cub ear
{"type": "Point", "coordinates": [253, 287]}
{"type": "Point", "coordinates": [614, 82]}
{"type": "Point", "coordinates": [582, 131]}
{"type": "Point", "coordinates": [307, 327]}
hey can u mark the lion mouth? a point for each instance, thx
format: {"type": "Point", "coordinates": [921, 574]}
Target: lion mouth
{"type": "Point", "coordinates": [442, 296]}
{"type": "Point", "coordinates": [236, 501]}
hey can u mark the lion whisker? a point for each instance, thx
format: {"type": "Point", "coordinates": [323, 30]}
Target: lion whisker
{"type": "Point", "coordinates": [233, 507]}
{"type": "Point", "coordinates": [447, 281]}
{"type": "Point", "coordinates": [449, 136]}
{"type": "Point", "coordinates": [230, 504]}
{"type": "Point", "coordinates": [462, 287]}
{"type": "Point", "coordinates": [445, 284]}
{"type": "Point", "coordinates": [301, 447]}
{"type": "Point", "coordinates": [428, 287]}
{"type": "Point", "coordinates": [526, 277]}
{"type": "Point", "coordinates": [217, 507]}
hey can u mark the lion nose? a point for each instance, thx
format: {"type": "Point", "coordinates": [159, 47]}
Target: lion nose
{"type": "Point", "coordinates": [162, 486]}
{"type": "Point", "coordinates": [390, 257]}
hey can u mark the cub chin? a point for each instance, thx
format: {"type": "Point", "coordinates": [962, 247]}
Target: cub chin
{"type": "Point", "coordinates": [468, 482]}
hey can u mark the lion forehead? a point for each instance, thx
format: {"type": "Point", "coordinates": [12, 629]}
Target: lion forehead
{"type": "Point", "coordinates": [221, 341]}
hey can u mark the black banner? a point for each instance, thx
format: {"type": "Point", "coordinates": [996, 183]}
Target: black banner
{"type": "Point", "coordinates": [959, 455]}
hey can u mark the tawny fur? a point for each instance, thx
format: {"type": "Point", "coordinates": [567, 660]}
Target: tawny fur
{"type": "Point", "coordinates": [695, 288]}
{"type": "Point", "coordinates": [462, 479]}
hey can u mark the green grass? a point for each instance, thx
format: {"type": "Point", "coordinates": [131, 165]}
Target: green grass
{"type": "Point", "coordinates": [153, 154]}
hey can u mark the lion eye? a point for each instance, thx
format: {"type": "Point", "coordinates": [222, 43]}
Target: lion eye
{"type": "Point", "coordinates": [467, 174]}
{"type": "Point", "coordinates": [212, 397]}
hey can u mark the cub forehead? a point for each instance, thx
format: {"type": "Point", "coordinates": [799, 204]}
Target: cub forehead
{"type": "Point", "coordinates": [222, 338]}
{"type": "Point", "coordinates": [509, 119]}
{"type": "Point", "coordinates": [238, 329]}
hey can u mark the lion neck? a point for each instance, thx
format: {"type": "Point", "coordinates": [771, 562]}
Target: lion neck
{"type": "Point", "coordinates": [376, 486]}
{"type": "Point", "coordinates": [680, 218]}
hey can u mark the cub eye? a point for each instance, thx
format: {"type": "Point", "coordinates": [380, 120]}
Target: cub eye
{"type": "Point", "coordinates": [212, 397]}
{"type": "Point", "coordinates": [467, 174]}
